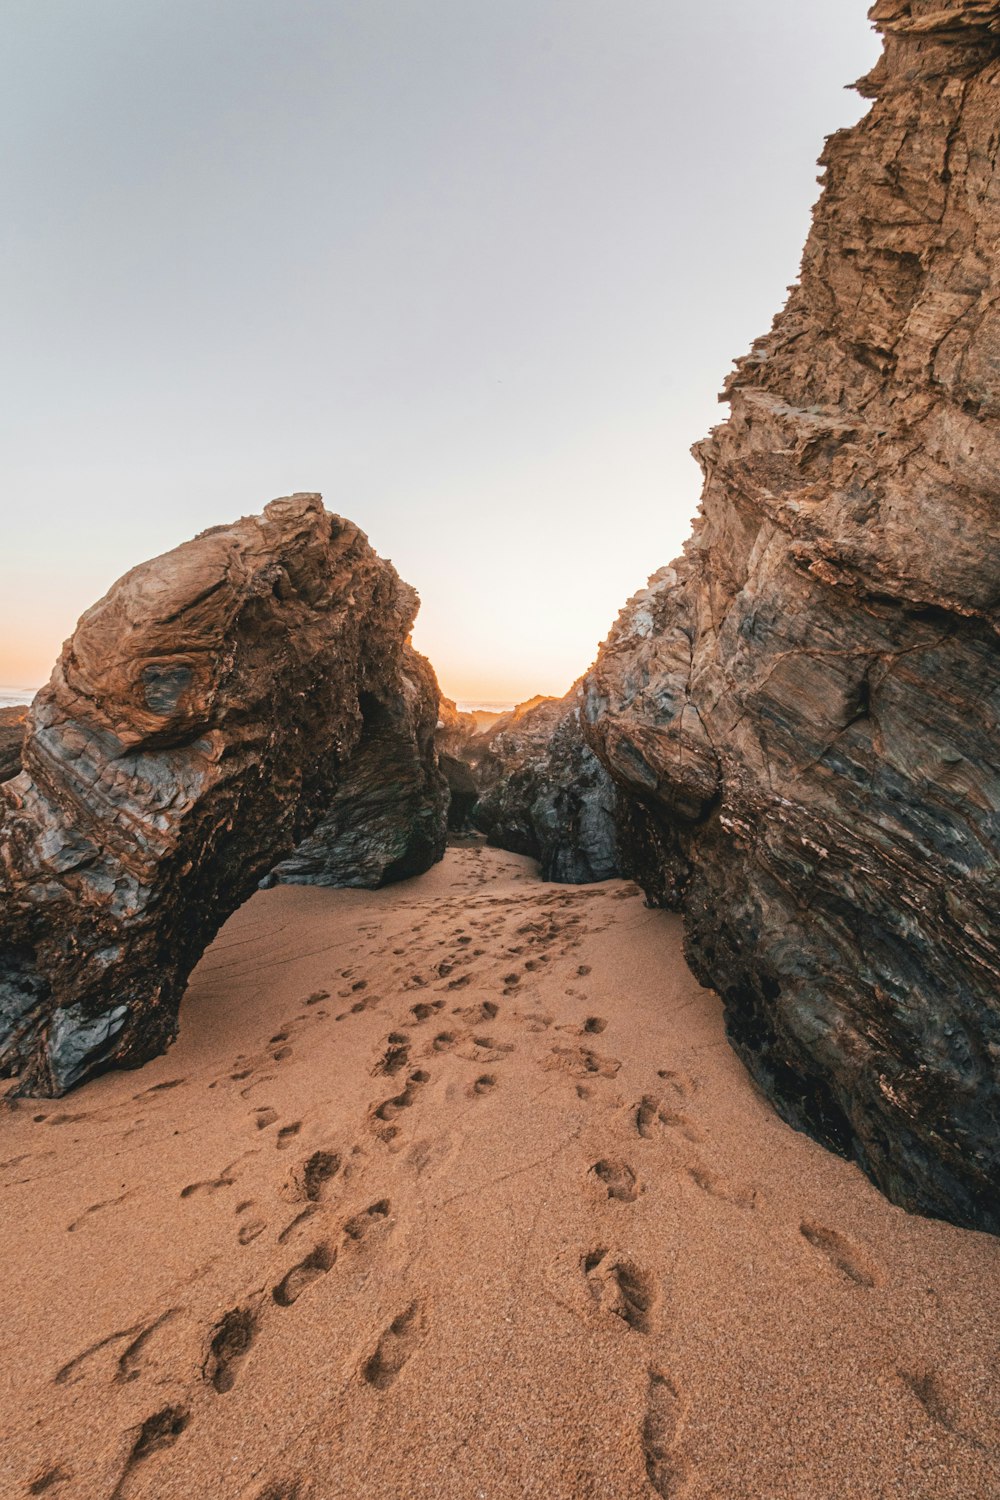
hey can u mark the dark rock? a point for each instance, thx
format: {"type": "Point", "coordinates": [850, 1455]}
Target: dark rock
{"type": "Point", "coordinates": [456, 757]}
{"type": "Point", "coordinates": [545, 794]}
{"type": "Point", "coordinates": [388, 816]}
{"type": "Point", "coordinates": [805, 711]}
{"type": "Point", "coordinates": [201, 721]}
{"type": "Point", "coordinates": [12, 727]}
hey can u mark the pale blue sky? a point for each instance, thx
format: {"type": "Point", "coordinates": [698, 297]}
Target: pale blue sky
{"type": "Point", "coordinates": [475, 271]}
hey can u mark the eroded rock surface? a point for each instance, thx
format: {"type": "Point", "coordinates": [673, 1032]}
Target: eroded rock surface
{"type": "Point", "coordinates": [544, 793]}
{"type": "Point", "coordinates": [12, 724]}
{"type": "Point", "coordinates": [202, 719]}
{"type": "Point", "coordinates": [454, 740]}
{"type": "Point", "coordinates": [805, 710]}
{"type": "Point", "coordinates": [387, 818]}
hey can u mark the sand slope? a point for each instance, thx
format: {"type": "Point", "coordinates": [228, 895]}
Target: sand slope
{"type": "Point", "coordinates": [456, 1190]}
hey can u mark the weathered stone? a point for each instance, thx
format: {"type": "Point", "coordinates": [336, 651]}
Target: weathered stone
{"type": "Point", "coordinates": [202, 719]}
{"type": "Point", "coordinates": [805, 710]}
{"type": "Point", "coordinates": [454, 740]}
{"type": "Point", "coordinates": [12, 726]}
{"type": "Point", "coordinates": [545, 794]}
{"type": "Point", "coordinates": [387, 818]}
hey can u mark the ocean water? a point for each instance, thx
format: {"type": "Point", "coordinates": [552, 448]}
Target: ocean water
{"type": "Point", "coordinates": [484, 708]}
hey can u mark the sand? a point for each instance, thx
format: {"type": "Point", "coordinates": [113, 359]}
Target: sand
{"type": "Point", "coordinates": [456, 1190]}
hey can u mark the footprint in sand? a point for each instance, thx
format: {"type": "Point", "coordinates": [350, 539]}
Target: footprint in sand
{"type": "Point", "coordinates": [619, 1180]}
{"type": "Point", "coordinates": [395, 1347]}
{"type": "Point", "coordinates": [283, 1489]}
{"type": "Point", "coordinates": [846, 1258]}
{"type": "Point", "coordinates": [291, 1286]}
{"type": "Point", "coordinates": [652, 1117]}
{"type": "Point", "coordinates": [287, 1134]}
{"type": "Point", "coordinates": [484, 1084]}
{"type": "Point", "coordinates": [581, 1062]}
{"type": "Point", "coordinates": [264, 1117]}
{"type": "Point", "coordinates": [618, 1286]}
{"type": "Point", "coordinates": [48, 1477]}
{"type": "Point", "coordinates": [129, 1364]}
{"type": "Point", "coordinates": [390, 1108]}
{"type": "Point", "coordinates": [423, 1012]}
{"type": "Point", "coordinates": [667, 1467]}
{"type": "Point", "coordinates": [487, 1011]}
{"type": "Point", "coordinates": [160, 1088]}
{"type": "Point", "coordinates": [718, 1187]}
{"type": "Point", "coordinates": [213, 1184]}
{"type": "Point", "coordinates": [302, 1217]}
{"type": "Point", "coordinates": [360, 1226]}
{"type": "Point", "coordinates": [251, 1230]}
{"type": "Point", "coordinates": [228, 1346]}
{"type": "Point", "coordinates": [396, 1054]}
{"type": "Point", "coordinates": [96, 1208]}
{"type": "Point", "coordinates": [681, 1083]}
{"type": "Point", "coordinates": [157, 1432]}
{"type": "Point", "coordinates": [311, 1175]}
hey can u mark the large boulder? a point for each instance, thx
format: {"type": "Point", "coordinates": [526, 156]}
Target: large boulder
{"type": "Point", "coordinates": [544, 793]}
{"type": "Point", "coordinates": [804, 712]}
{"type": "Point", "coordinates": [200, 722]}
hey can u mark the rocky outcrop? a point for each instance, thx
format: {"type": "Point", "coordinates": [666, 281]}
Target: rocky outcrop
{"type": "Point", "coordinates": [388, 815]}
{"type": "Point", "coordinates": [12, 723]}
{"type": "Point", "coordinates": [454, 741]}
{"type": "Point", "coordinates": [201, 721]}
{"type": "Point", "coordinates": [544, 793]}
{"type": "Point", "coordinates": [805, 710]}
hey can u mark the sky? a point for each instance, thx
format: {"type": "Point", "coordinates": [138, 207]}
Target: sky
{"type": "Point", "coordinates": [473, 270]}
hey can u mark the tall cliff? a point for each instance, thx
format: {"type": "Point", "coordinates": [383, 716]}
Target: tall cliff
{"type": "Point", "coordinates": [805, 709]}
{"type": "Point", "coordinates": [202, 720]}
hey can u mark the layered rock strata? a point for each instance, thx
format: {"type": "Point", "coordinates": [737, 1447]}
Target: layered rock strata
{"type": "Point", "coordinates": [12, 725]}
{"type": "Point", "coordinates": [805, 710]}
{"type": "Point", "coordinates": [200, 722]}
{"type": "Point", "coordinates": [544, 793]}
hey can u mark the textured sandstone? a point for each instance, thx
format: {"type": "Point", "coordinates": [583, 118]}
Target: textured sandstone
{"type": "Point", "coordinates": [201, 720]}
{"type": "Point", "coordinates": [805, 710]}
{"type": "Point", "coordinates": [544, 793]}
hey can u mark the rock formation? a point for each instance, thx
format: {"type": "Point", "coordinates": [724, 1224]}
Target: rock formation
{"type": "Point", "coordinates": [544, 793]}
{"type": "Point", "coordinates": [453, 739]}
{"type": "Point", "coordinates": [200, 722]}
{"type": "Point", "coordinates": [805, 710]}
{"type": "Point", "coordinates": [388, 815]}
{"type": "Point", "coordinates": [12, 723]}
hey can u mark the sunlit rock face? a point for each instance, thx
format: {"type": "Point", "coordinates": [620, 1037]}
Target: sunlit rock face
{"type": "Point", "coordinates": [805, 710]}
{"type": "Point", "coordinates": [200, 722]}
{"type": "Point", "coordinates": [544, 793]}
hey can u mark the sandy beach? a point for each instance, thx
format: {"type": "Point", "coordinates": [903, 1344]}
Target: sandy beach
{"type": "Point", "coordinates": [456, 1190]}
